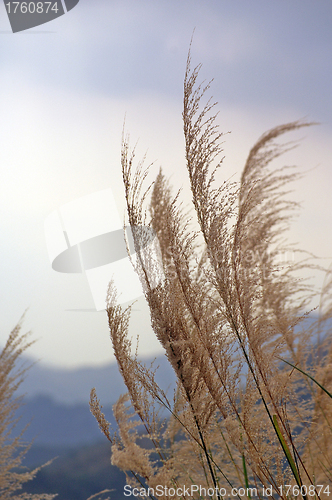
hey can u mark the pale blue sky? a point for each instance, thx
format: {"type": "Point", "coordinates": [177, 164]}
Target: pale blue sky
{"type": "Point", "coordinates": [63, 98]}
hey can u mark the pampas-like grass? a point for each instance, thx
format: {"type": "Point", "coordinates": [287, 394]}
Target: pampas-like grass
{"type": "Point", "coordinates": [13, 449]}
{"type": "Point", "coordinates": [232, 324]}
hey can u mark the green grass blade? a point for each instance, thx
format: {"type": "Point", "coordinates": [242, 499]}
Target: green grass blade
{"type": "Point", "coordinates": [286, 451]}
{"type": "Point", "coordinates": [245, 475]}
{"type": "Point", "coordinates": [309, 376]}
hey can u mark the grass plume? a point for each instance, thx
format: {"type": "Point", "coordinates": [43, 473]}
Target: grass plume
{"type": "Point", "coordinates": [225, 312]}
{"type": "Point", "coordinates": [13, 449]}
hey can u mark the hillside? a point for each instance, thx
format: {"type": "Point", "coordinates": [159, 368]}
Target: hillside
{"type": "Point", "coordinates": [79, 473]}
{"type": "Point", "coordinates": [72, 387]}
{"type": "Point", "coordinates": [56, 407]}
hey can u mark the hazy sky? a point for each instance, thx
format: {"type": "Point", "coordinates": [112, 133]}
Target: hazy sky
{"type": "Point", "coordinates": [65, 89]}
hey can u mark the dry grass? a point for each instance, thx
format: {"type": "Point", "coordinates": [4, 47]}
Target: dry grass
{"type": "Point", "coordinates": [13, 449]}
{"type": "Point", "coordinates": [226, 314]}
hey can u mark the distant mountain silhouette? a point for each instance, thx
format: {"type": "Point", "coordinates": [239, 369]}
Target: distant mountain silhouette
{"type": "Point", "coordinates": [72, 387]}
{"type": "Point", "coordinates": [56, 425]}
{"type": "Point", "coordinates": [56, 409]}
{"type": "Point", "coordinates": [76, 474]}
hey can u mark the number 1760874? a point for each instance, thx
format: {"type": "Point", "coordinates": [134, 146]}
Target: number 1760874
{"type": "Point", "coordinates": [31, 7]}
{"type": "Point", "coordinates": [312, 490]}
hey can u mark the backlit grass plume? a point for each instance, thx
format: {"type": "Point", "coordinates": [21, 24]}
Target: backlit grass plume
{"type": "Point", "coordinates": [245, 413]}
